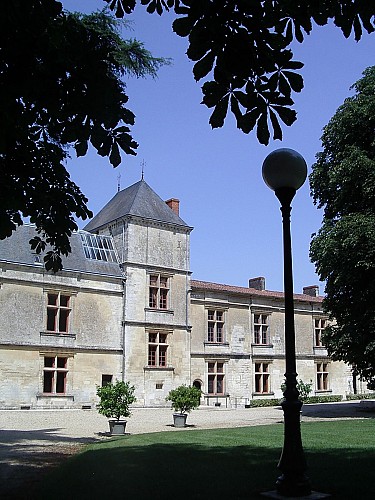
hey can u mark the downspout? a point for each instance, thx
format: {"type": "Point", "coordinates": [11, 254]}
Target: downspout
{"type": "Point", "coordinates": [123, 327]}
{"type": "Point", "coordinates": [187, 296]}
{"type": "Point", "coordinates": [123, 320]}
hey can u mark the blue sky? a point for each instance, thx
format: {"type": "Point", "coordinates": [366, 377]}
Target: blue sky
{"type": "Point", "coordinates": [216, 174]}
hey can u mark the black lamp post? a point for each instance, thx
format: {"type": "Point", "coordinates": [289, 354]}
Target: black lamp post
{"type": "Point", "coordinates": [284, 171]}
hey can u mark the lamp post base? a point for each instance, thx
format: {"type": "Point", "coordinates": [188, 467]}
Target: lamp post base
{"type": "Point", "coordinates": [293, 485]}
{"type": "Point", "coordinates": [314, 495]}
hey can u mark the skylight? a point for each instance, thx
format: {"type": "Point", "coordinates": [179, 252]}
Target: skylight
{"type": "Point", "coordinates": [98, 247]}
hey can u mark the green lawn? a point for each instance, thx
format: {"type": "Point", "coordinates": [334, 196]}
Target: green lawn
{"type": "Point", "coordinates": [221, 463]}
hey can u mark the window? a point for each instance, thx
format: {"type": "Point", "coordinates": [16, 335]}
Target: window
{"type": "Point", "coordinates": [261, 334]}
{"type": "Point", "coordinates": [54, 375]}
{"type": "Point", "coordinates": [106, 379]}
{"type": "Point", "coordinates": [319, 326]}
{"type": "Point", "coordinates": [157, 349]}
{"type": "Point", "coordinates": [322, 376]}
{"type": "Point", "coordinates": [158, 291]}
{"type": "Point", "coordinates": [98, 247]}
{"type": "Point", "coordinates": [58, 311]}
{"type": "Point", "coordinates": [215, 327]}
{"type": "Point", "coordinates": [215, 377]}
{"type": "Point", "coordinates": [262, 378]}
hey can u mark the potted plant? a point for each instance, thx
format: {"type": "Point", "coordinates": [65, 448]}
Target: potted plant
{"type": "Point", "coordinates": [115, 401]}
{"type": "Point", "coordinates": [184, 399]}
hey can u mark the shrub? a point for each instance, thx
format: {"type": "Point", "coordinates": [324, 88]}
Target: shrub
{"type": "Point", "coordinates": [324, 399]}
{"type": "Point", "coordinates": [184, 398]}
{"type": "Point", "coordinates": [115, 399]}
{"type": "Point", "coordinates": [255, 403]}
{"type": "Point", "coordinates": [351, 397]}
{"type": "Point", "coordinates": [303, 388]}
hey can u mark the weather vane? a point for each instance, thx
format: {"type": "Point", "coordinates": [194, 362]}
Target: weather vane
{"type": "Point", "coordinates": [143, 164]}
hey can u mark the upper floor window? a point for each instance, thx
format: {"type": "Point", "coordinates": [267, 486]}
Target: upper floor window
{"type": "Point", "coordinates": [319, 326]}
{"type": "Point", "coordinates": [157, 349]}
{"type": "Point", "coordinates": [322, 377]}
{"type": "Point", "coordinates": [98, 247]}
{"type": "Point", "coordinates": [54, 374]}
{"type": "Point", "coordinates": [215, 377]}
{"type": "Point", "coordinates": [215, 326]}
{"type": "Point", "coordinates": [158, 291]}
{"type": "Point", "coordinates": [261, 329]}
{"type": "Point", "coordinates": [58, 312]}
{"type": "Point", "coordinates": [262, 378]}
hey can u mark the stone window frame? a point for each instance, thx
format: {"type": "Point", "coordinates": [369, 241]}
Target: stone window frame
{"type": "Point", "coordinates": [159, 291]}
{"type": "Point", "coordinates": [319, 324]}
{"type": "Point", "coordinates": [262, 377]}
{"type": "Point", "coordinates": [215, 375]}
{"type": "Point", "coordinates": [258, 338]}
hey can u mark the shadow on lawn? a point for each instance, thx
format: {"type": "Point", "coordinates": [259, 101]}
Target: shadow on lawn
{"type": "Point", "coordinates": [336, 410]}
{"type": "Point", "coordinates": [192, 471]}
{"type": "Point", "coordinates": [26, 455]}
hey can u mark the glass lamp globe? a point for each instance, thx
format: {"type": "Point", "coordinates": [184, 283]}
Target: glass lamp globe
{"type": "Point", "coordinates": [284, 168]}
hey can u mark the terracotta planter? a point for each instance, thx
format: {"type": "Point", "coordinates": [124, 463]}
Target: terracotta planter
{"type": "Point", "coordinates": [117, 427]}
{"type": "Point", "coordinates": [179, 419]}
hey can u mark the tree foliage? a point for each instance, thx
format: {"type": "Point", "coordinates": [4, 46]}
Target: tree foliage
{"type": "Point", "coordinates": [343, 183]}
{"type": "Point", "coordinates": [242, 49]}
{"type": "Point", "coordinates": [184, 398]}
{"type": "Point", "coordinates": [115, 399]}
{"type": "Point", "coordinates": [61, 84]}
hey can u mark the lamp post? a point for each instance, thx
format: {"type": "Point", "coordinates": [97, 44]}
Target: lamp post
{"type": "Point", "coordinates": [284, 171]}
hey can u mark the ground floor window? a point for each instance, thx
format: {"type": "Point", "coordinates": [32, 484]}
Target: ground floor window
{"type": "Point", "coordinates": [322, 377]}
{"type": "Point", "coordinates": [216, 377]}
{"type": "Point", "coordinates": [106, 379]}
{"type": "Point", "coordinates": [262, 378]}
{"type": "Point", "coordinates": [55, 374]}
{"type": "Point", "coordinates": [157, 349]}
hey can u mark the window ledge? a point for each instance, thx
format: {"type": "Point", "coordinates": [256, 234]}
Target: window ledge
{"type": "Point", "coordinates": [159, 368]}
{"type": "Point", "coordinates": [52, 395]}
{"type": "Point", "coordinates": [206, 342]}
{"type": "Point", "coordinates": [58, 334]}
{"type": "Point", "coordinates": [263, 394]}
{"type": "Point", "coordinates": [323, 391]}
{"type": "Point", "coordinates": [155, 310]}
{"type": "Point", "coordinates": [261, 345]}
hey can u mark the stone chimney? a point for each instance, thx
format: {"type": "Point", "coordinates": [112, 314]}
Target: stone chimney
{"type": "Point", "coordinates": [174, 204]}
{"type": "Point", "coordinates": [257, 283]}
{"type": "Point", "coordinates": [312, 290]}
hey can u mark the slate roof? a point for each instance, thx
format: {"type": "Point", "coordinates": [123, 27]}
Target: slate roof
{"type": "Point", "coordinates": [16, 249]}
{"type": "Point", "coordinates": [217, 287]}
{"type": "Point", "coordinates": [138, 200]}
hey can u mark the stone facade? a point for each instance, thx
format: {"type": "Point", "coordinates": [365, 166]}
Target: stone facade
{"type": "Point", "coordinates": [124, 307]}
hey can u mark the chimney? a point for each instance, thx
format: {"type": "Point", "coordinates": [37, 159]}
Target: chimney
{"type": "Point", "coordinates": [257, 283]}
{"type": "Point", "coordinates": [174, 204]}
{"type": "Point", "coordinates": [312, 290]}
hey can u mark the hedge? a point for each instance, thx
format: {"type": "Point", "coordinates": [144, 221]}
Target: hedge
{"type": "Point", "coordinates": [324, 399]}
{"type": "Point", "coordinates": [351, 397]}
{"type": "Point", "coordinates": [254, 403]}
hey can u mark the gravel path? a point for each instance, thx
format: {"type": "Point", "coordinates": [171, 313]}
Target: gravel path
{"type": "Point", "coordinates": [33, 441]}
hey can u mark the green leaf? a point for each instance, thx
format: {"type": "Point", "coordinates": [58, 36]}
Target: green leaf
{"type": "Point", "coordinates": [287, 115]}
{"type": "Point", "coordinates": [295, 80]}
{"type": "Point", "coordinates": [234, 106]}
{"type": "Point", "coordinates": [182, 26]}
{"type": "Point", "coordinates": [220, 112]}
{"type": "Point", "coordinates": [115, 157]}
{"type": "Point", "coordinates": [263, 133]}
{"type": "Point", "coordinates": [248, 120]}
{"type": "Point", "coordinates": [204, 66]}
{"type": "Point", "coordinates": [81, 148]}
{"type": "Point", "coordinates": [277, 132]}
